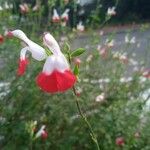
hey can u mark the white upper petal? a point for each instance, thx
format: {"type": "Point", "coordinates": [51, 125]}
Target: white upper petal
{"type": "Point", "coordinates": [55, 14]}
{"type": "Point", "coordinates": [39, 133]}
{"type": "Point", "coordinates": [37, 51]}
{"type": "Point", "coordinates": [23, 53]}
{"type": "Point", "coordinates": [65, 14]}
{"type": "Point", "coordinates": [54, 62]}
{"type": "Point", "coordinates": [52, 44]}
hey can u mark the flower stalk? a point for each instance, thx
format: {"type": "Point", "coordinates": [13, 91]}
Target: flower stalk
{"type": "Point", "coordinates": [92, 134]}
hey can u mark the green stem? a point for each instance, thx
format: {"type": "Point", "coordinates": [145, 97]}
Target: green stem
{"type": "Point", "coordinates": [93, 136]}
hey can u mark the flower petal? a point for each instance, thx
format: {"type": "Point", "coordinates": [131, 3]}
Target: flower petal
{"type": "Point", "coordinates": [56, 82]}
{"type": "Point", "coordinates": [22, 66]}
{"type": "Point", "coordinates": [55, 63]}
{"type": "Point", "coordinates": [51, 43]}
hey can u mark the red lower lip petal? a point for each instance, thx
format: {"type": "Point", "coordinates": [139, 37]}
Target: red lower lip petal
{"type": "Point", "coordinates": [56, 81]}
{"type": "Point", "coordinates": [22, 66]}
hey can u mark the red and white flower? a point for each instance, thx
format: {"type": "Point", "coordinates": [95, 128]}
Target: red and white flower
{"type": "Point", "coordinates": [24, 8]}
{"type": "Point", "coordinates": [146, 73]}
{"type": "Point", "coordinates": [103, 51]}
{"type": "Point", "coordinates": [36, 50]}
{"type": "Point", "coordinates": [56, 75]}
{"type": "Point", "coordinates": [55, 17]}
{"type": "Point", "coordinates": [65, 15]}
{"type": "Point", "coordinates": [130, 40]}
{"type": "Point", "coordinates": [124, 59]}
{"type": "Point", "coordinates": [42, 133]}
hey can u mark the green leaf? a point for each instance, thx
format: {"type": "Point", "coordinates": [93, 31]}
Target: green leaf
{"type": "Point", "coordinates": [76, 70]}
{"type": "Point", "coordinates": [77, 52]}
{"type": "Point", "coordinates": [48, 52]}
{"type": "Point", "coordinates": [66, 47]}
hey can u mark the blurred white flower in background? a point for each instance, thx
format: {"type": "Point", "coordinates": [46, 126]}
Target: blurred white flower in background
{"type": "Point", "coordinates": [99, 47]}
{"type": "Point", "coordinates": [85, 80]}
{"type": "Point", "coordinates": [123, 58]}
{"type": "Point", "coordinates": [55, 17]}
{"type": "Point", "coordinates": [101, 33]}
{"type": "Point", "coordinates": [130, 40]}
{"type": "Point", "coordinates": [126, 79]}
{"type": "Point", "coordinates": [2, 120]}
{"type": "Point", "coordinates": [146, 73]}
{"type": "Point", "coordinates": [6, 6]}
{"type": "Point", "coordinates": [36, 7]}
{"type": "Point", "coordinates": [42, 133]}
{"type": "Point", "coordinates": [110, 43]}
{"type": "Point", "coordinates": [101, 98]}
{"type": "Point", "coordinates": [133, 40]}
{"type": "Point", "coordinates": [39, 133]}
{"type": "Point", "coordinates": [133, 62]}
{"type": "Point", "coordinates": [89, 58]}
{"type": "Point", "coordinates": [80, 26]}
{"type": "Point", "coordinates": [138, 45]}
{"type": "Point", "coordinates": [1, 8]}
{"type": "Point", "coordinates": [116, 55]}
{"type": "Point", "coordinates": [65, 15]}
{"type": "Point", "coordinates": [24, 8]}
{"type": "Point", "coordinates": [111, 11]}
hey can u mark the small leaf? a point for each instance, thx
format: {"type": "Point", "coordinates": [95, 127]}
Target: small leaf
{"type": "Point", "coordinates": [66, 47]}
{"type": "Point", "coordinates": [77, 52]}
{"type": "Point", "coordinates": [76, 70]}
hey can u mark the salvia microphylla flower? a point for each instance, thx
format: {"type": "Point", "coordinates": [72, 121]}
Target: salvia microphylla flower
{"type": "Point", "coordinates": [42, 133]}
{"type": "Point", "coordinates": [80, 26]}
{"type": "Point", "coordinates": [130, 41]}
{"type": "Point", "coordinates": [56, 75]}
{"type": "Point", "coordinates": [36, 7]}
{"type": "Point", "coordinates": [124, 59]}
{"type": "Point", "coordinates": [111, 11]}
{"type": "Point", "coordinates": [24, 8]}
{"type": "Point", "coordinates": [146, 73]}
{"type": "Point", "coordinates": [1, 39]}
{"type": "Point", "coordinates": [55, 17]}
{"type": "Point", "coordinates": [38, 53]}
{"type": "Point", "coordinates": [6, 6]}
{"type": "Point", "coordinates": [65, 15]}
